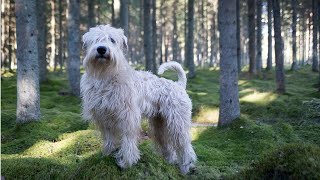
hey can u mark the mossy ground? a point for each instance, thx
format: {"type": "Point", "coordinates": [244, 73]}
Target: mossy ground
{"type": "Point", "coordinates": [277, 136]}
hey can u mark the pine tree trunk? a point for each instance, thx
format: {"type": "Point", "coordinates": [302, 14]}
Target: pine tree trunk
{"type": "Point", "coordinates": [52, 61]}
{"type": "Point", "coordinates": [303, 39]}
{"type": "Point", "coordinates": [259, 37]}
{"type": "Point", "coordinates": [280, 78]}
{"type": "Point", "coordinates": [91, 18]}
{"type": "Point", "coordinates": [28, 96]}
{"type": "Point", "coordinates": [113, 19]}
{"type": "Point", "coordinates": [42, 24]}
{"type": "Point", "coordinates": [147, 27]}
{"type": "Point", "coordinates": [294, 65]}
{"type": "Point", "coordinates": [124, 16]}
{"type": "Point", "coordinates": [154, 35]}
{"type": "Point", "coordinates": [269, 60]}
{"type": "Point", "coordinates": [74, 46]}
{"type": "Point", "coordinates": [238, 37]}
{"type": "Point", "coordinates": [315, 65]}
{"type": "Point", "coordinates": [252, 38]}
{"type": "Point", "coordinates": [213, 58]}
{"type": "Point", "coordinates": [229, 97]}
{"type": "Point", "coordinates": [12, 31]}
{"type": "Point", "coordinates": [175, 45]}
{"type": "Point", "coordinates": [61, 37]}
{"type": "Point", "coordinates": [190, 40]}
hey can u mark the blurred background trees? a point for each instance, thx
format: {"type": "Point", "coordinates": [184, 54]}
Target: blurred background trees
{"type": "Point", "coordinates": [169, 26]}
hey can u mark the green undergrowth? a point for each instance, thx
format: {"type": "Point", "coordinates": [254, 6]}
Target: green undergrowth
{"type": "Point", "coordinates": [276, 137]}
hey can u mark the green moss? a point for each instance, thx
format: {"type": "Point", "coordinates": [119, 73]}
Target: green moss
{"type": "Point", "coordinates": [291, 161]}
{"type": "Point", "coordinates": [62, 146]}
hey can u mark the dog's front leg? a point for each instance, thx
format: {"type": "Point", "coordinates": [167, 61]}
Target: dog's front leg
{"type": "Point", "coordinates": [109, 141]}
{"type": "Point", "coordinates": [129, 126]}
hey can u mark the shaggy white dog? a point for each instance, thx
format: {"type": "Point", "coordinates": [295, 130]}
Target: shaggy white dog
{"type": "Point", "coordinates": [115, 97]}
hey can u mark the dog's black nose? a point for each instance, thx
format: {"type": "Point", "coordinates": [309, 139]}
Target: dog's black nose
{"type": "Point", "coordinates": [102, 50]}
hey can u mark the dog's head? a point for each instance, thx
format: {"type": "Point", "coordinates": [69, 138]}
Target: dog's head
{"type": "Point", "coordinates": [105, 46]}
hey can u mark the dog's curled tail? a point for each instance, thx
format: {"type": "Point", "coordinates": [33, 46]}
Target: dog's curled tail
{"type": "Point", "coordinates": [182, 79]}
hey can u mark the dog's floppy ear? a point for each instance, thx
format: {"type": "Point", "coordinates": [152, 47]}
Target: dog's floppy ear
{"type": "Point", "coordinates": [125, 42]}
{"type": "Point", "coordinates": [124, 39]}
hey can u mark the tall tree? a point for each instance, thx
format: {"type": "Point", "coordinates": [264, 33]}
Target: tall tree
{"type": "Point", "coordinates": [294, 65]}
{"type": "Point", "coordinates": [61, 37]}
{"type": "Point", "coordinates": [113, 17]}
{"type": "Point", "coordinates": [190, 40]}
{"type": "Point", "coordinates": [229, 97]}
{"type": "Point", "coordinates": [52, 35]}
{"type": "Point", "coordinates": [74, 46]}
{"type": "Point", "coordinates": [28, 98]}
{"type": "Point", "coordinates": [147, 28]}
{"type": "Point", "coordinates": [280, 78]}
{"type": "Point", "coordinates": [259, 36]}
{"type": "Point", "coordinates": [154, 34]}
{"type": "Point", "coordinates": [124, 16]}
{"type": "Point", "coordinates": [213, 56]}
{"type": "Point", "coordinates": [269, 60]}
{"type": "Point", "coordinates": [304, 29]}
{"type": "Point", "coordinates": [252, 38]}
{"type": "Point", "coordinates": [315, 65]}
{"type": "Point", "coordinates": [238, 36]}
{"type": "Point", "coordinates": [91, 18]}
{"type": "Point", "coordinates": [42, 26]}
{"type": "Point", "coordinates": [175, 43]}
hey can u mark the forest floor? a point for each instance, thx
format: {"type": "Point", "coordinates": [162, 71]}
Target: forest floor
{"type": "Point", "coordinates": [277, 136]}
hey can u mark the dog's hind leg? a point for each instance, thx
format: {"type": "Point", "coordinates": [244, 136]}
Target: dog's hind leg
{"type": "Point", "coordinates": [178, 133]}
{"type": "Point", "coordinates": [159, 132]}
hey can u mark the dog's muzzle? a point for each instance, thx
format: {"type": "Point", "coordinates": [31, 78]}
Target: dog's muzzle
{"type": "Point", "coordinates": [103, 53]}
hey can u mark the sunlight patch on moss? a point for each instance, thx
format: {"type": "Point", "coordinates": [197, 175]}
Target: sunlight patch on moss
{"type": "Point", "coordinates": [207, 115]}
{"type": "Point", "coordinates": [196, 132]}
{"type": "Point", "coordinates": [260, 98]}
{"type": "Point", "coordinates": [7, 74]}
{"type": "Point", "coordinates": [44, 148]}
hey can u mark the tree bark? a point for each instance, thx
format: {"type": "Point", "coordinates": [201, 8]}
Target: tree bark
{"type": "Point", "coordinates": [147, 27]}
{"type": "Point", "coordinates": [259, 37]}
{"type": "Point", "coordinates": [124, 16]}
{"type": "Point", "coordinates": [269, 60]}
{"type": "Point", "coordinates": [74, 46]}
{"type": "Point", "coordinates": [91, 18]}
{"type": "Point", "coordinates": [61, 37]}
{"type": "Point", "coordinates": [229, 97]}
{"type": "Point", "coordinates": [280, 78]}
{"type": "Point", "coordinates": [175, 44]}
{"type": "Point", "coordinates": [315, 65]}
{"type": "Point", "coordinates": [213, 58]}
{"type": "Point", "coordinates": [28, 96]}
{"type": "Point", "coordinates": [238, 37]}
{"type": "Point", "coordinates": [53, 37]}
{"type": "Point", "coordinates": [303, 39]}
{"type": "Point", "coordinates": [252, 38]}
{"type": "Point", "coordinates": [154, 35]}
{"type": "Point", "coordinates": [42, 26]}
{"type": "Point", "coordinates": [190, 40]}
{"type": "Point", "coordinates": [294, 65]}
{"type": "Point", "coordinates": [113, 19]}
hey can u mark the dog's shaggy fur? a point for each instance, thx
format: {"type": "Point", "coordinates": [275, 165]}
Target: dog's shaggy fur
{"type": "Point", "coordinates": [115, 97]}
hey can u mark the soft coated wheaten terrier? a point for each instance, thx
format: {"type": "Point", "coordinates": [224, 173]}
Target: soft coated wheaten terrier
{"type": "Point", "coordinates": [115, 97]}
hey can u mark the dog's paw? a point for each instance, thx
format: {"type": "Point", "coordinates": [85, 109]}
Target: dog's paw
{"type": "Point", "coordinates": [171, 158]}
{"type": "Point", "coordinates": [185, 169]}
{"type": "Point", "coordinates": [127, 159]}
{"type": "Point", "coordinates": [108, 150]}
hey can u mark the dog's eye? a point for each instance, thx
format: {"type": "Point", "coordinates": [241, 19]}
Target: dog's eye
{"type": "Point", "coordinates": [112, 40]}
